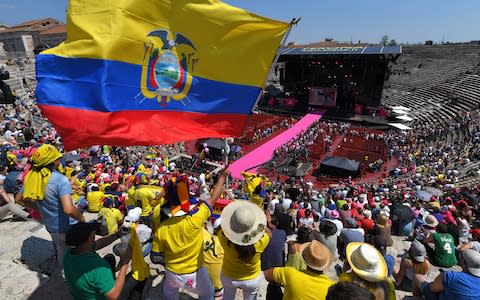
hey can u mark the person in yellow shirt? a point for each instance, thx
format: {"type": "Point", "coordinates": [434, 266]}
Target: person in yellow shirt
{"type": "Point", "coordinates": [94, 199]}
{"type": "Point", "coordinates": [254, 186]}
{"type": "Point", "coordinates": [213, 254]}
{"type": "Point", "coordinates": [113, 217]}
{"type": "Point", "coordinates": [130, 199]}
{"type": "Point", "coordinates": [244, 237]}
{"type": "Point", "coordinates": [311, 283]}
{"type": "Point", "coordinates": [179, 241]}
{"type": "Point", "coordinates": [143, 199]}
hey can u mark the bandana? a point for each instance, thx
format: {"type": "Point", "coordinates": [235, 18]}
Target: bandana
{"type": "Point", "coordinates": [37, 178]}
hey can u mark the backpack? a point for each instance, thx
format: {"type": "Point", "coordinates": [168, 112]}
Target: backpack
{"type": "Point", "coordinates": [103, 228]}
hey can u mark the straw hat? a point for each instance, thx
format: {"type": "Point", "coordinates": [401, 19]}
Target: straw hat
{"type": "Point", "coordinates": [366, 261]}
{"type": "Point", "coordinates": [316, 255]}
{"type": "Point", "coordinates": [243, 222]}
{"type": "Point", "coordinates": [430, 220]}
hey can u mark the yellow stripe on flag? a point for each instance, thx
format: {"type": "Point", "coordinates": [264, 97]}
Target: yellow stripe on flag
{"type": "Point", "coordinates": [232, 44]}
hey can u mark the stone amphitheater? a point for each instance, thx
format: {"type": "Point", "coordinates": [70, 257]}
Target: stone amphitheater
{"type": "Point", "coordinates": [437, 84]}
{"type": "Point", "coordinates": [444, 80]}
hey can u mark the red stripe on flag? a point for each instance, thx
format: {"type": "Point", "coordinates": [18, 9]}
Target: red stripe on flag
{"type": "Point", "coordinates": [128, 128]}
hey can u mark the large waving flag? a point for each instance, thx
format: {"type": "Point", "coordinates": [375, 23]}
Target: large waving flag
{"type": "Point", "coordinates": [143, 72]}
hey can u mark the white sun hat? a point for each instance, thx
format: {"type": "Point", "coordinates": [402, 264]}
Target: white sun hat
{"type": "Point", "coordinates": [366, 261]}
{"type": "Point", "coordinates": [243, 222]}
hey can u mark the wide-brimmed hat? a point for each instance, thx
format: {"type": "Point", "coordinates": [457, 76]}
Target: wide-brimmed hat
{"type": "Point", "coordinates": [316, 255]}
{"type": "Point", "coordinates": [366, 261]}
{"type": "Point", "coordinates": [430, 220]}
{"type": "Point", "coordinates": [243, 222]}
{"type": "Point", "coordinates": [418, 251]}
{"type": "Point", "coordinates": [472, 260]}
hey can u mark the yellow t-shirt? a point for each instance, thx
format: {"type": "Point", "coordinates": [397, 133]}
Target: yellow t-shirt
{"type": "Point", "coordinates": [303, 285]}
{"type": "Point", "coordinates": [112, 217]}
{"type": "Point", "coordinates": [130, 200]}
{"type": "Point", "coordinates": [103, 186]}
{"type": "Point", "coordinates": [180, 239]}
{"type": "Point", "coordinates": [236, 268]}
{"type": "Point", "coordinates": [213, 253]}
{"type": "Point", "coordinates": [157, 190]}
{"type": "Point", "coordinates": [94, 201]}
{"type": "Point", "coordinates": [77, 188]}
{"type": "Point", "coordinates": [156, 216]}
{"type": "Point", "coordinates": [347, 277]}
{"type": "Point", "coordinates": [212, 248]}
{"type": "Point", "coordinates": [144, 199]}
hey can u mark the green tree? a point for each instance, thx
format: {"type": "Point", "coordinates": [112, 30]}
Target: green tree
{"type": "Point", "coordinates": [384, 40]}
{"type": "Point", "coordinates": [392, 43]}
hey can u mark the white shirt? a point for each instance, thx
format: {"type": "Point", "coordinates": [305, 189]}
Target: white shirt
{"type": "Point", "coordinates": [286, 204]}
{"type": "Point", "coordinates": [307, 221]}
{"type": "Point", "coordinates": [339, 225]}
{"type": "Point", "coordinates": [8, 135]}
{"type": "Point", "coordinates": [271, 205]}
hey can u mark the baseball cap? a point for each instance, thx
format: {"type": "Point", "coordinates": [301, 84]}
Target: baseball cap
{"type": "Point", "coordinates": [80, 232]}
{"type": "Point", "coordinates": [418, 251]}
{"type": "Point", "coordinates": [472, 260]}
{"type": "Point", "coordinates": [133, 216]}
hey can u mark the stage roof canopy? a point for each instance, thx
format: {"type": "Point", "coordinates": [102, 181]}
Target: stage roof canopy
{"type": "Point", "coordinates": [341, 163]}
{"type": "Point", "coordinates": [349, 50]}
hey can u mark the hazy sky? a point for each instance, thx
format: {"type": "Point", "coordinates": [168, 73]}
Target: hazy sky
{"type": "Point", "coordinates": [344, 20]}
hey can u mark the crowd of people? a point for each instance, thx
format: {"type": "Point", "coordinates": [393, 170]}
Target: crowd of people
{"type": "Point", "coordinates": [290, 233]}
{"type": "Point", "coordinates": [264, 130]}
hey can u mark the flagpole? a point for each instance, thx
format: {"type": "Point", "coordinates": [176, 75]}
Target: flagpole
{"type": "Point", "coordinates": [277, 55]}
{"type": "Point", "coordinates": [225, 158]}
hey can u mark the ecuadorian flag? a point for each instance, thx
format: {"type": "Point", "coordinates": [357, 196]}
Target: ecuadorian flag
{"type": "Point", "coordinates": [143, 72]}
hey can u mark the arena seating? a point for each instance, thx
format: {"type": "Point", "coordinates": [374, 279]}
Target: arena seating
{"type": "Point", "coordinates": [260, 122]}
{"type": "Point", "coordinates": [444, 80]}
{"type": "Point", "coordinates": [444, 71]}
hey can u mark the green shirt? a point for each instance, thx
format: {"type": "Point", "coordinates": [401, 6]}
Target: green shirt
{"type": "Point", "coordinates": [444, 249]}
{"type": "Point", "coordinates": [88, 275]}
